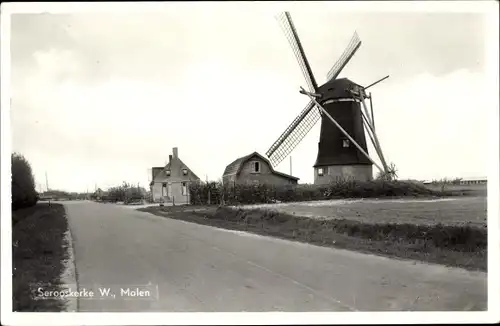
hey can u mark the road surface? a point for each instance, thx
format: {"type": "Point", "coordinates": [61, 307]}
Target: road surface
{"type": "Point", "coordinates": [192, 267]}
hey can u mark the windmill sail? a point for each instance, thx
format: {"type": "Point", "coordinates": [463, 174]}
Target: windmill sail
{"type": "Point", "coordinates": [349, 52]}
{"type": "Point", "coordinates": [291, 33]}
{"type": "Point", "coordinates": [294, 134]}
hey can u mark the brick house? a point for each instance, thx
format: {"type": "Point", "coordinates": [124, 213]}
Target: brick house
{"type": "Point", "coordinates": [170, 183]}
{"type": "Point", "coordinates": [255, 169]}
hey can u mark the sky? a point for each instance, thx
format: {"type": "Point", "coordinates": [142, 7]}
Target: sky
{"type": "Point", "coordinates": [100, 98]}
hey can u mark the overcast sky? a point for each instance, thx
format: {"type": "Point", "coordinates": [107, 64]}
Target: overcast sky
{"type": "Point", "coordinates": [101, 98]}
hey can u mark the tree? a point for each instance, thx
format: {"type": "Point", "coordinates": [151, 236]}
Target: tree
{"type": "Point", "coordinates": [24, 193]}
{"type": "Point", "coordinates": [444, 182]}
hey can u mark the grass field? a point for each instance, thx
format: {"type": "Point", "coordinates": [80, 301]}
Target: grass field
{"type": "Point", "coordinates": [38, 252]}
{"type": "Point", "coordinates": [448, 211]}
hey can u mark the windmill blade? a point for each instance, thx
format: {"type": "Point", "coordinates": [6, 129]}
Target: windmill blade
{"type": "Point", "coordinates": [381, 153]}
{"type": "Point", "coordinates": [349, 52]}
{"type": "Point", "coordinates": [370, 131]}
{"type": "Point", "coordinates": [375, 83]}
{"type": "Point", "coordinates": [371, 110]}
{"type": "Point", "coordinates": [292, 135]}
{"type": "Point", "coordinates": [291, 33]}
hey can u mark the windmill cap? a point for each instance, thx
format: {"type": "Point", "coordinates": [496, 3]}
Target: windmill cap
{"type": "Point", "coordinates": [338, 88]}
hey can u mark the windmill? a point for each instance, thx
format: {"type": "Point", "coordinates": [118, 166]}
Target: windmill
{"type": "Point", "coordinates": [340, 104]}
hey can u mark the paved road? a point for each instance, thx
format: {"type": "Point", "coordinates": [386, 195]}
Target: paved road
{"type": "Point", "coordinates": [198, 268]}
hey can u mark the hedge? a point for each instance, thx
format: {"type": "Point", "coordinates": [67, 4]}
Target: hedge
{"type": "Point", "coordinates": [217, 193]}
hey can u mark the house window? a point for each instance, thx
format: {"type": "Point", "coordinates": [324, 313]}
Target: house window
{"type": "Point", "coordinates": [321, 172]}
{"type": "Point", "coordinates": [184, 189]}
{"type": "Point", "coordinates": [184, 171]}
{"type": "Point", "coordinates": [345, 143]}
{"type": "Point", "coordinates": [167, 172]}
{"type": "Point", "coordinates": [256, 167]}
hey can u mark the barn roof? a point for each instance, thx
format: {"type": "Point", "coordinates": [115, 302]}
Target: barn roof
{"type": "Point", "coordinates": [236, 166]}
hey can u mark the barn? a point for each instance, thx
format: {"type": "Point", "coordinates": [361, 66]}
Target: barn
{"type": "Point", "coordinates": [255, 169]}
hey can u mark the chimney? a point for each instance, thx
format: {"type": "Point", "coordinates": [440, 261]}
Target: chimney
{"type": "Point", "coordinates": [175, 152]}
{"type": "Point", "coordinates": [169, 158]}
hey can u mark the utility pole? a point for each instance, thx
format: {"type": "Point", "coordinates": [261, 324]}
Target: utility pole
{"type": "Point", "coordinates": [46, 181]}
{"type": "Point", "coordinates": [290, 165]}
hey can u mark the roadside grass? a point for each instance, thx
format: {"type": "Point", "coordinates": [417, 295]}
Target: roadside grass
{"type": "Point", "coordinates": [38, 252]}
{"type": "Point", "coordinates": [462, 246]}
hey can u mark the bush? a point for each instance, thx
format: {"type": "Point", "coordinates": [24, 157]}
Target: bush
{"type": "Point", "coordinates": [24, 193]}
{"type": "Point", "coordinates": [124, 193]}
{"type": "Point", "coordinates": [263, 194]}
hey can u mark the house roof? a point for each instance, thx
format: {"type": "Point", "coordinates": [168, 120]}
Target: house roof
{"type": "Point", "coordinates": [236, 166]}
{"type": "Point", "coordinates": [102, 192]}
{"type": "Point", "coordinates": [154, 172]}
{"type": "Point", "coordinates": [174, 164]}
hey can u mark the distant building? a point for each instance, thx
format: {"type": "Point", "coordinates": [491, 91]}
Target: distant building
{"type": "Point", "coordinates": [99, 194]}
{"type": "Point", "coordinates": [469, 181]}
{"type": "Point", "coordinates": [461, 181]}
{"type": "Point", "coordinates": [255, 169]}
{"type": "Point", "coordinates": [44, 197]}
{"type": "Point", "coordinates": [170, 184]}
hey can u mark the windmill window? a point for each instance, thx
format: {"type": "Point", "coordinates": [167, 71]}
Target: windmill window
{"type": "Point", "coordinates": [184, 189]}
{"type": "Point", "coordinates": [184, 171]}
{"type": "Point", "coordinates": [167, 172]}
{"type": "Point", "coordinates": [256, 167]}
{"type": "Point", "coordinates": [345, 143]}
{"type": "Point", "coordinates": [321, 172]}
